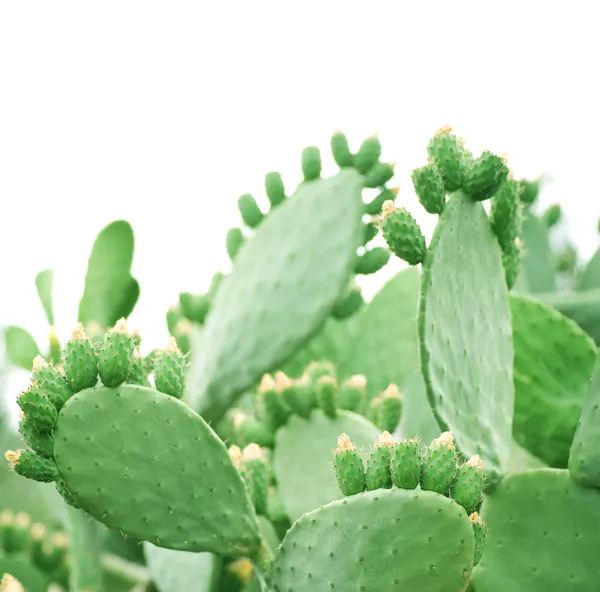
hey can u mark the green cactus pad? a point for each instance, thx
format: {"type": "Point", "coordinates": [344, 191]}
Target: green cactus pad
{"type": "Point", "coordinates": [584, 459]}
{"type": "Point", "coordinates": [39, 442]}
{"type": "Point", "coordinates": [448, 155]}
{"type": "Point", "coordinates": [311, 163]}
{"type": "Point", "coordinates": [468, 484]}
{"type": "Point", "coordinates": [274, 188]}
{"type": "Point", "coordinates": [144, 463]}
{"type": "Point", "coordinates": [36, 405]}
{"type": "Point", "coordinates": [554, 360]}
{"type": "Point", "coordinates": [485, 177]}
{"type": "Point", "coordinates": [429, 187]}
{"type": "Point", "coordinates": [368, 154]}
{"type": "Point", "coordinates": [249, 210]}
{"type": "Point", "coordinates": [465, 333]}
{"type": "Point", "coordinates": [377, 467]}
{"type": "Point", "coordinates": [50, 380]}
{"type": "Point", "coordinates": [542, 535]}
{"type": "Point", "coordinates": [281, 289]}
{"type": "Point", "coordinates": [169, 370]}
{"type": "Point", "coordinates": [21, 347]}
{"type": "Point", "coordinates": [403, 234]}
{"type": "Point", "coordinates": [384, 347]}
{"type": "Point", "coordinates": [589, 278]}
{"type": "Point", "coordinates": [378, 540]}
{"type": "Point", "coordinates": [176, 571]}
{"type": "Point", "coordinates": [539, 263]}
{"type": "Point", "coordinates": [302, 460]}
{"type": "Point", "coordinates": [44, 282]}
{"type": "Point", "coordinates": [372, 261]}
{"type": "Point", "coordinates": [116, 355]}
{"type": "Point", "coordinates": [341, 150]}
{"type": "Point", "coordinates": [81, 363]}
{"type": "Point", "coordinates": [349, 467]}
{"type": "Point", "coordinates": [234, 239]}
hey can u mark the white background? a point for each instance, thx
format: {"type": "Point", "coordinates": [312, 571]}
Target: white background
{"type": "Point", "coordinates": [164, 113]}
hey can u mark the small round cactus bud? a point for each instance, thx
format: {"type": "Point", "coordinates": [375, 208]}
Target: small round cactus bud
{"type": "Point", "coordinates": [390, 408]}
{"type": "Point", "coordinates": [352, 393]}
{"type": "Point", "coordinates": [506, 215]}
{"type": "Point", "coordinates": [327, 391]}
{"type": "Point", "coordinates": [311, 163]}
{"type": "Point", "coordinates": [116, 355]}
{"type": "Point", "coordinates": [350, 302]}
{"type": "Point", "coordinates": [14, 531]}
{"type": "Point", "coordinates": [480, 533]}
{"type": "Point", "coordinates": [81, 363]}
{"type": "Point", "coordinates": [373, 208]}
{"type": "Point", "coordinates": [298, 394]}
{"type": "Point", "coordinates": [403, 234]}
{"type": "Point", "coordinates": [276, 410]}
{"type": "Point", "coordinates": [405, 464]}
{"type": "Point", "coordinates": [429, 187]}
{"type": "Point", "coordinates": [349, 468]}
{"type": "Point", "coordinates": [51, 382]}
{"type": "Point", "coordinates": [31, 465]}
{"type": "Point", "coordinates": [274, 188]}
{"type": "Point", "coordinates": [169, 370]}
{"type": "Point", "coordinates": [448, 156]}
{"type": "Point", "coordinates": [485, 177]}
{"type": "Point", "coordinates": [372, 261]}
{"type": "Point", "coordinates": [36, 406]}
{"type": "Point", "coordinates": [467, 488]}
{"type": "Point", "coordinates": [379, 174]}
{"type": "Point", "coordinates": [552, 215]}
{"type": "Point", "coordinates": [249, 210]}
{"type": "Point", "coordinates": [368, 154]}
{"type": "Point", "coordinates": [253, 468]}
{"type": "Point", "coordinates": [10, 584]}
{"type": "Point", "coordinates": [377, 472]}
{"type": "Point", "coordinates": [40, 442]}
{"type": "Point", "coordinates": [340, 150]}
{"type": "Point", "coordinates": [528, 191]}
{"type": "Point", "coordinates": [439, 464]}
{"type": "Point", "coordinates": [233, 241]}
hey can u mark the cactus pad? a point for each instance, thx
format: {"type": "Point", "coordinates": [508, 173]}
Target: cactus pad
{"type": "Point", "coordinates": [542, 535]}
{"type": "Point", "coordinates": [142, 462]}
{"type": "Point", "coordinates": [554, 360]}
{"type": "Point", "coordinates": [303, 457]}
{"type": "Point", "coordinates": [378, 540]}
{"type": "Point", "coordinates": [465, 333]}
{"type": "Point", "coordinates": [281, 289]}
{"type": "Point", "coordinates": [539, 264]}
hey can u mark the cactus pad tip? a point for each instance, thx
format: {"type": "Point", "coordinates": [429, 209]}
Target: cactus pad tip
{"type": "Point", "coordinates": [395, 191]}
{"type": "Point", "coordinates": [392, 392]}
{"type": "Point", "coordinates": [475, 461]}
{"type": "Point", "coordinates": [171, 345]}
{"type": "Point", "coordinates": [38, 363]}
{"type": "Point", "coordinates": [446, 438]}
{"type": "Point", "coordinates": [267, 383]}
{"type": "Point", "coordinates": [78, 332]}
{"type": "Point", "coordinates": [12, 456]}
{"type": "Point", "coordinates": [344, 443]}
{"type": "Point", "coordinates": [235, 454]}
{"type": "Point", "coordinates": [386, 439]}
{"type": "Point", "coordinates": [387, 208]}
{"type": "Point", "coordinates": [120, 327]}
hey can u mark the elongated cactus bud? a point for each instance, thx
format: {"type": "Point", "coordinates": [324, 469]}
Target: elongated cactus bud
{"type": "Point", "coordinates": [373, 208]}
{"type": "Point", "coordinates": [439, 464]}
{"type": "Point", "coordinates": [528, 191]}
{"type": "Point", "coordinates": [327, 391]}
{"type": "Point", "coordinates": [14, 531]}
{"type": "Point", "coordinates": [249, 210]}
{"type": "Point", "coordinates": [480, 532]}
{"type": "Point", "coordinates": [250, 430]}
{"type": "Point", "coordinates": [48, 553]}
{"type": "Point", "coordinates": [485, 177]}
{"type": "Point", "coordinates": [36, 405]}
{"type": "Point", "coordinates": [55, 346]}
{"type": "Point", "coordinates": [340, 150]}
{"type": "Point", "coordinates": [116, 355]}
{"type": "Point", "coordinates": [370, 232]}
{"type": "Point", "coordinates": [511, 261]}
{"type": "Point", "coordinates": [368, 154]}
{"type": "Point", "coordinates": [318, 369]}
{"type": "Point", "coordinates": [468, 484]}
{"type": "Point", "coordinates": [349, 468]}
{"type": "Point", "coordinates": [405, 464]}
{"type": "Point", "coordinates": [372, 261]}
{"type": "Point", "coordinates": [350, 302]}
{"type": "Point", "coordinates": [31, 465]}
{"type": "Point", "coordinates": [40, 442]}
{"type": "Point", "coordinates": [274, 188]}
{"type": "Point", "coordinates": [298, 394]}
{"type": "Point", "coordinates": [505, 214]}
{"type": "Point", "coordinates": [429, 187]}
{"type": "Point", "coordinates": [447, 154]}
{"type": "Point", "coordinates": [551, 217]}
{"type": "Point", "coordinates": [373, 410]}
{"type": "Point", "coordinates": [169, 370]}
{"type": "Point", "coordinates": [81, 363]}
{"type": "Point", "coordinates": [377, 472]}
{"type": "Point", "coordinates": [276, 410]}
{"type": "Point", "coordinates": [233, 241]}
{"type": "Point", "coordinates": [403, 234]}
{"type": "Point", "coordinates": [137, 374]}
{"type": "Point", "coordinates": [51, 381]}
{"type": "Point", "coordinates": [353, 392]}
{"type": "Point", "coordinates": [194, 307]}
{"type": "Point", "coordinates": [379, 174]}
{"type": "Point", "coordinates": [253, 468]}
{"type": "Point", "coordinates": [311, 163]}
{"type": "Point", "coordinates": [390, 408]}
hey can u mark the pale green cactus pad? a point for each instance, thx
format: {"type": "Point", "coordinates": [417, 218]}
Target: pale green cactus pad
{"type": "Point", "coordinates": [284, 282]}
{"type": "Point", "coordinates": [176, 571]}
{"type": "Point", "coordinates": [542, 535]}
{"type": "Point", "coordinates": [384, 348]}
{"type": "Point", "coordinates": [584, 459]}
{"type": "Point", "coordinates": [303, 453]}
{"type": "Point", "coordinates": [465, 334]}
{"type": "Point", "coordinates": [554, 360]}
{"type": "Point", "coordinates": [144, 463]}
{"type": "Point", "coordinates": [590, 275]}
{"type": "Point", "coordinates": [378, 540]}
{"type": "Point", "coordinates": [538, 263]}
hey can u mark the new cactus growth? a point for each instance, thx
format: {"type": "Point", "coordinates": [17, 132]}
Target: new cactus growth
{"type": "Point", "coordinates": [377, 471]}
{"type": "Point", "coordinates": [406, 464]}
{"type": "Point", "coordinates": [439, 464]}
{"type": "Point", "coordinates": [116, 355]}
{"type": "Point", "coordinates": [402, 234]}
{"type": "Point", "coordinates": [349, 467]}
{"type": "Point", "coordinates": [468, 484]}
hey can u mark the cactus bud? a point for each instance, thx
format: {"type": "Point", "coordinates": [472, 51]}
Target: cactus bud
{"type": "Point", "coordinates": [448, 156]}
{"type": "Point", "coordinates": [372, 261]}
{"type": "Point", "coordinates": [379, 174]}
{"type": "Point", "coordinates": [233, 241]}
{"type": "Point", "coordinates": [327, 390]}
{"type": "Point", "coordinates": [311, 163]}
{"type": "Point", "coordinates": [552, 215]}
{"type": "Point", "coordinates": [480, 533]}
{"type": "Point", "coordinates": [340, 150]}
{"type": "Point", "coordinates": [116, 355]}
{"type": "Point", "coordinates": [51, 382]}
{"type": "Point", "coordinates": [402, 234]}
{"type": "Point", "coordinates": [276, 410]}
{"type": "Point", "coordinates": [169, 370]}
{"type": "Point", "coordinates": [439, 464]}
{"type": "Point", "coordinates": [368, 154]}
{"type": "Point", "coordinates": [38, 408]}
{"type": "Point", "coordinates": [468, 484]}
{"type": "Point", "coordinates": [31, 465]}
{"type": "Point", "coordinates": [81, 363]}
{"type": "Point", "coordinates": [405, 464]}
{"type": "Point", "coordinates": [253, 468]}
{"type": "Point", "coordinates": [249, 210]}
{"type": "Point", "coordinates": [429, 187]}
{"type": "Point", "coordinates": [373, 208]}
{"type": "Point", "coordinates": [353, 392]}
{"type": "Point", "coordinates": [390, 408]}
{"type": "Point", "coordinates": [377, 473]}
{"type": "Point", "coordinates": [485, 177]}
{"type": "Point", "coordinates": [349, 468]}
{"type": "Point", "coordinates": [40, 442]}
{"type": "Point", "coordinates": [349, 303]}
{"type": "Point", "coordinates": [274, 188]}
